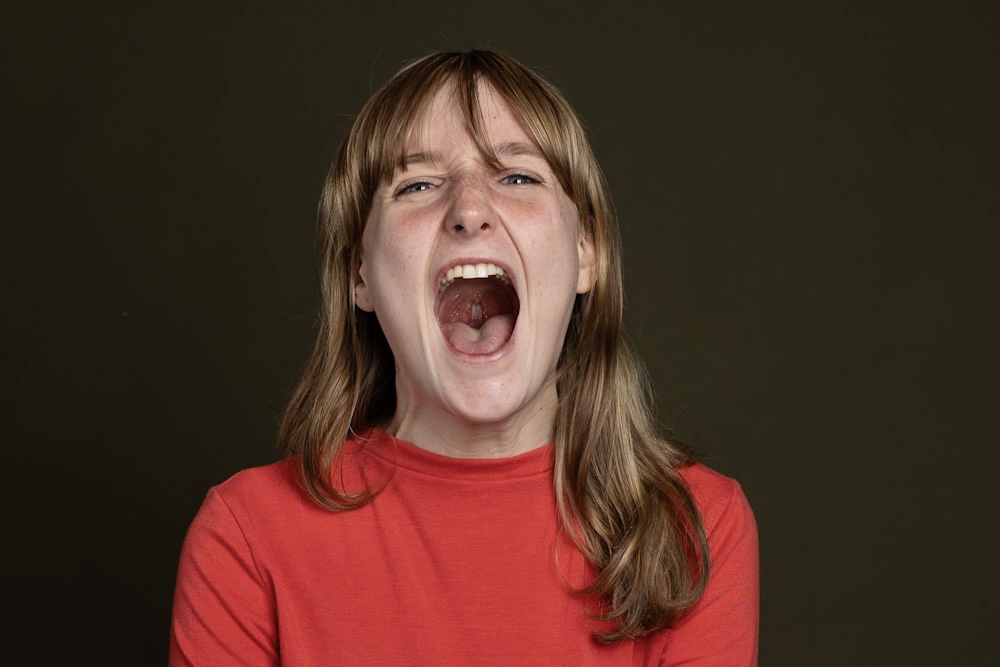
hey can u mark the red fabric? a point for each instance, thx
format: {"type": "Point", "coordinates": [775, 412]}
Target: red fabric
{"type": "Point", "coordinates": [453, 564]}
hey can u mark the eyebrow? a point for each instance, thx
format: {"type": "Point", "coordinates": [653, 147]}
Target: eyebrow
{"type": "Point", "coordinates": [505, 149]}
{"type": "Point", "coordinates": [516, 148]}
{"type": "Point", "coordinates": [421, 158]}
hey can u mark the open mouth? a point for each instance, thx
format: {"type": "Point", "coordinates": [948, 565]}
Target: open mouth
{"type": "Point", "coordinates": [477, 308]}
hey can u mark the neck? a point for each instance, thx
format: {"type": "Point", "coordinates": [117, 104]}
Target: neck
{"type": "Point", "coordinates": [442, 432]}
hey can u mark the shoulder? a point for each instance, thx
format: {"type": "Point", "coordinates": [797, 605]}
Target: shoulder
{"type": "Point", "coordinates": [250, 517]}
{"type": "Point", "coordinates": [251, 484]}
{"type": "Point", "coordinates": [224, 593]}
{"type": "Point", "coordinates": [255, 496]}
{"type": "Point", "coordinates": [722, 627]}
{"type": "Point", "coordinates": [720, 499]}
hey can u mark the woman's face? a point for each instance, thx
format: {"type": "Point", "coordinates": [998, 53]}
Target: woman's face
{"type": "Point", "coordinates": [472, 273]}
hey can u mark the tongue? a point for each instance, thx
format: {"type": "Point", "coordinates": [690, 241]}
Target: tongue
{"type": "Point", "coordinates": [477, 316]}
{"type": "Point", "coordinates": [485, 340]}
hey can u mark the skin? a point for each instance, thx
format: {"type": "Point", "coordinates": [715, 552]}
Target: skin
{"type": "Point", "coordinates": [448, 207]}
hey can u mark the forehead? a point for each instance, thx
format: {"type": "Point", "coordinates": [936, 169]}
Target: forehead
{"type": "Point", "coordinates": [450, 119]}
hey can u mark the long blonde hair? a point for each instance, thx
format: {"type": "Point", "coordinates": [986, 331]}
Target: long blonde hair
{"type": "Point", "coordinates": [616, 478]}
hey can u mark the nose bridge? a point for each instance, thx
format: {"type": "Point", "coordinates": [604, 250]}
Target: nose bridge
{"type": "Point", "coordinates": [471, 208]}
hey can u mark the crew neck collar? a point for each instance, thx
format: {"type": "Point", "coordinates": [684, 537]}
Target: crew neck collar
{"type": "Point", "coordinates": [407, 455]}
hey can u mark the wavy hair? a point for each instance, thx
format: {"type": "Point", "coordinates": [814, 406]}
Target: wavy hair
{"type": "Point", "coordinates": [620, 495]}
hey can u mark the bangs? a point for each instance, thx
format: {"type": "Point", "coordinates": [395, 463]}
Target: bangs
{"type": "Point", "coordinates": [394, 115]}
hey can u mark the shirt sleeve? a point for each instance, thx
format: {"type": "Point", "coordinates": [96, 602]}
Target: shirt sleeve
{"type": "Point", "coordinates": [722, 628]}
{"type": "Point", "coordinates": [224, 611]}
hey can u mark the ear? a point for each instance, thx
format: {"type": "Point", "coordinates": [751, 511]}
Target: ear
{"type": "Point", "coordinates": [588, 264]}
{"type": "Point", "coordinates": [362, 297]}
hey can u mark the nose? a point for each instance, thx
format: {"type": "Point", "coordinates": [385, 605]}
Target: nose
{"type": "Point", "coordinates": [470, 210]}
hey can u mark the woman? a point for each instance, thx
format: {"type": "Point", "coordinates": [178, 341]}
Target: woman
{"type": "Point", "coordinates": [473, 473]}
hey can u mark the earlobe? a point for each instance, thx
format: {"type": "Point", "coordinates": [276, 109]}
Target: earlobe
{"type": "Point", "coordinates": [362, 297]}
{"type": "Point", "coordinates": [588, 265]}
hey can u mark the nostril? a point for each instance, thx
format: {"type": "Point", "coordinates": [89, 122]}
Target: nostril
{"type": "Point", "coordinates": [484, 226]}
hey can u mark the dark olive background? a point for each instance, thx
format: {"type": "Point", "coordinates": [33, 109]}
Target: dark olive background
{"type": "Point", "coordinates": [805, 195]}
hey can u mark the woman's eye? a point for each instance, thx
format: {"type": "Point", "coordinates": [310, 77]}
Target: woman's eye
{"type": "Point", "coordinates": [408, 188]}
{"type": "Point", "coordinates": [520, 179]}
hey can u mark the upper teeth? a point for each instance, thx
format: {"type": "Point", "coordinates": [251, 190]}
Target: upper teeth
{"type": "Point", "coordinates": [472, 271]}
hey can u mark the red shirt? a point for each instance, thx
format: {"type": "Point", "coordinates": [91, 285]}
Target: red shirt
{"type": "Point", "coordinates": [456, 562]}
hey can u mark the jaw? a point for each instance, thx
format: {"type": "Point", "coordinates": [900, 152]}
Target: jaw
{"type": "Point", "coordinates": [511, 381]}
{"type": "Point", "coordinates": [487, 387]}
{"type": "Point", "coordinates": [480, 410]}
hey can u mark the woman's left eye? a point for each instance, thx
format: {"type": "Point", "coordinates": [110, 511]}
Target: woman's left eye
{"type": "Point", "coordinates": [519, 179]}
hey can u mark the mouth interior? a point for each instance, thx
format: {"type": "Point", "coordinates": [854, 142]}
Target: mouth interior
{"type": "Point", "coordinates": [477, 315]}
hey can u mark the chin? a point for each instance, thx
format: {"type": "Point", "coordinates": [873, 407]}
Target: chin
{"type": "Point", "coordinates": [496, 402]}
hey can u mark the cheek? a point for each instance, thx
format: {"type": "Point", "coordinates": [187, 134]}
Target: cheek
{"type": "Point", "coordinates": [556, 246]}
{"type": "Point", "coordinates": [392, 261]}
{"type": "Point", "coordinates": [379, 244]}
